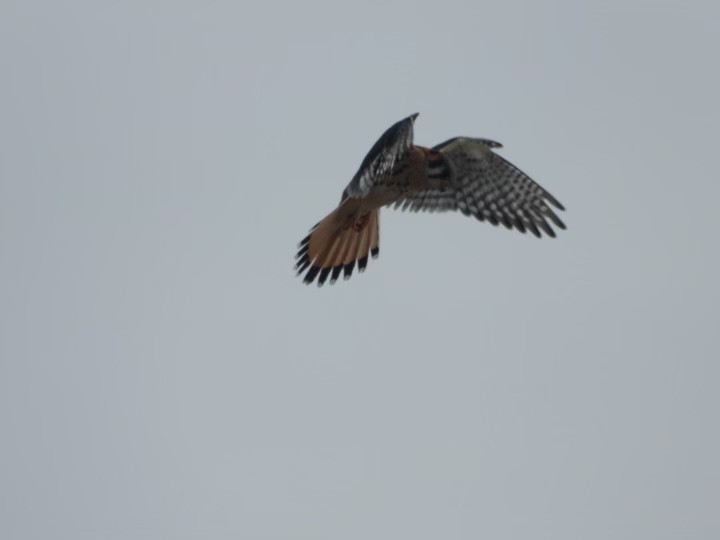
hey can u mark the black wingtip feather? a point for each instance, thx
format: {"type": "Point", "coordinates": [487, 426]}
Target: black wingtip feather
{"type": "Point", "coordinates": [556, 220]}
{"type": "Point", "coordinates": [310, 276]}
{"type": "Point", "coordinates": [304, 241]}
{"type": "Point", "coordinates": [348, 269]}
{"type": "Point", "coordinates": [557, 204]}
{"type": "Point", "coordinates": [375, 252]}
{"type": "Point", "coordinates": [540, 220]}
{"type": "Point", "coordinates": [336, 273]}
{"type": "Point", "coordinates": [533, 228]}
{"type": "Point", "coordinates": [324, 273]}
{"type": "Point", "coordinates": [302, 252]}
{"type": "Point", "coordinates": [302, 265]}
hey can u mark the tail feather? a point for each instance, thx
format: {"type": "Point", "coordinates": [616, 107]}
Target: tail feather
{"type": "Point", "coordinates": [338, 265]}
{"type": "Point", "coordinates": [364, 247]}
{"type": "Point", "coordinates": [336, 244]}
{"type": "Point", "coordinates": [375, 239]}
{"type": "Point", "coordinates": [327, 260]}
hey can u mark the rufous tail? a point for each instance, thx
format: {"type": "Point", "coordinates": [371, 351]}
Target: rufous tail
{"type": "Point", "coordinates": [344, 238]}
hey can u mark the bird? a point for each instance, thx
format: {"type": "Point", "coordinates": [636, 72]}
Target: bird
{"type": "Point", "coordinates": [462, 174]}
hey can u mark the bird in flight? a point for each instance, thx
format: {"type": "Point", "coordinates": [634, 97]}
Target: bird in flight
{"type": "Point", "coordinates": [461, 173]}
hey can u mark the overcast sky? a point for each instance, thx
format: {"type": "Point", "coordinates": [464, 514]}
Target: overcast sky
{"type": "Point", "coordinates": [163, 373]}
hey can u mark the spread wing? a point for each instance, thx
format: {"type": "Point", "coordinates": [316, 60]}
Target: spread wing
{"type": "Point", "coordinates": [382, 157]}
{"type": "Point", "coordinates": [487, 186]}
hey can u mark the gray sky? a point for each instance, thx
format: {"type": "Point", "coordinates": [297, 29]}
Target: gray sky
{"type": "Point", "coordinates": [163, 374]}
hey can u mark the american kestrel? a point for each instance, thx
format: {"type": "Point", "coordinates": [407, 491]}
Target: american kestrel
{"type": "Point", "coordinates": [460, 174]}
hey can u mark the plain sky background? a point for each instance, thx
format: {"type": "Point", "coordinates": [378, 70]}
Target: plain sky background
{"type": "Point", "coordinates": [164, 375]}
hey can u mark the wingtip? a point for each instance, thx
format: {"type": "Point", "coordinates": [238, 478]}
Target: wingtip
{"type": "Point", "coordinates": [491, 143]}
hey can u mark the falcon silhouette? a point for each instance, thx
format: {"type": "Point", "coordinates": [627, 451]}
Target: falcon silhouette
{"type": "Point", "coordinates": [461, 173]}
